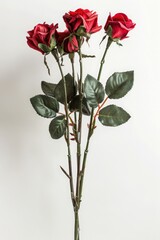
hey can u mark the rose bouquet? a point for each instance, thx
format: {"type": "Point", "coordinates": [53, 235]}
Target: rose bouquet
{"type": "Point", "coordinates": [78, 96]}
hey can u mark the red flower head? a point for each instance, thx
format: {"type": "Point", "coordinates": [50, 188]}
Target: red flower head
{"type": "Point", "coordinates": [82, 19]}
{"type": "Point", "coordinates": [42, 33]}
{"type": "Point", "coordinates": [120, 25]}
{"type": "Point", "coordinates": [67, 41]}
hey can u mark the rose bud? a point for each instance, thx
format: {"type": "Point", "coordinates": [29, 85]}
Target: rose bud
{"type": "Point", "coordinates": [67, 42]}
{"type": "Point", "coordinates": [41, 38]}
{"type": "Point", "coordinates": [82, 21]}
{"type": "Point", "coordinates": [118, 26]}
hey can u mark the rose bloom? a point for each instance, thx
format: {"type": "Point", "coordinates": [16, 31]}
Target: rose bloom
{"type": "Point", "coordinates": [120, 25]}
{"type": "Point", "coordinates": [42, 33]}
{"type": "Point", "coordinates": [67, 41]}
{"type": "Point", "coordinates": [82, 18]}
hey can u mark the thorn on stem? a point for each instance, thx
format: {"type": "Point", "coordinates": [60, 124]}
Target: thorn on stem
{"type": "Point", "coordinates": [71, 124]}
{"type": "Point", "coordinates": [73, 139]}
{"type": "Point", "coordinates": [72, 134]}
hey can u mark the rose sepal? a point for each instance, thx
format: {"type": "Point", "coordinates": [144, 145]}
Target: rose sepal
{"type": "Point", "coordinates": [44, 48]}
{"type": "Point", "coordinates": [53, 43]}
{"type": "Point", "coordinates": [81, 32]}
{"type": "Point", "coordinates": [47, 49]}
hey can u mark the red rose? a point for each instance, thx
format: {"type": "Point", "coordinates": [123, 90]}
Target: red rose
{"type": "Point", "coordinates": [82, 18]}
{"type": "Point", "coordinates": [67, 41]}
{"type": "Point", "coordinates": [42, 33]}
{"type": "Point", "coordinates": [120, 25]}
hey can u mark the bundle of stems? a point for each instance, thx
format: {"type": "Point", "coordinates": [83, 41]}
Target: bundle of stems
{"type": "Point", "coordinates": [76, 122]}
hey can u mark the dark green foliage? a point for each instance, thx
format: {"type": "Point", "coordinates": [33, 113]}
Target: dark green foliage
{"type": "Point", "coordinates": [45, 106]}
{"type": "Point", "coordinates": [119, 84]}
{"type": "Point", "coordinates": [48, 88]}
{"type": "Point", "coordinates": [113, 116]}
{"type": "Point", "coordinates": [70, 86]}
{"type": "Point", "coordinates": [57, 127]}
{"type": "Point", "coordinates": [74, 105]}
{"type": "Point", "coordinates": [93, 90]}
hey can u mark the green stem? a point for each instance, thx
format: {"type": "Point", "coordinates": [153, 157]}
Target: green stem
{"type": "Point", "coordinates": [75, 114]}
{"type": "Point", "coordinates": [55, 54]}
{"type": "Point", "coordinates": [76, 226]}
{"type": "Point", "coordinates": [91, 125]}
{"type": "Point", "coordinates": [85, 156]}
{"type": "Point", "coordinates": [76, 209]}
{"type": "Point", "coordinates": [103, 57]}
{"type": "Point", "coordinates": [73, 70]}
{"type": "Point", "coordinates": [79, 125]}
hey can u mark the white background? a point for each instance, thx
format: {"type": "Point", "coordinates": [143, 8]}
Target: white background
{"type": "Point", "coordinates": [121, 199]}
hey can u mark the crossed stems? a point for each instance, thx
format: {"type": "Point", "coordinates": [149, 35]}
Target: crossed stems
{"type": "Point", "coordinates": [76, 195]}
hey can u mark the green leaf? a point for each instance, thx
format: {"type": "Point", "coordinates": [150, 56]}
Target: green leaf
{"type": "Point", "coordinates": [57, 127]}
{"type": "Point", "coordinates": [113, 116]}
{"type": "Point", "coordinates": [71, 89]}
{"type": "Point", "coordinates": [74, 105]}
{"type": "Point", "coordinates": [94, 91]}
{"type": "Point", "coordinates": [45, 106]}
{"type": "Point", "coordinates": [44, 48]}
{"type": "Point", "coordinates": [48, 88]}
{"type": "Point", "coordinates": [119, 84]}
